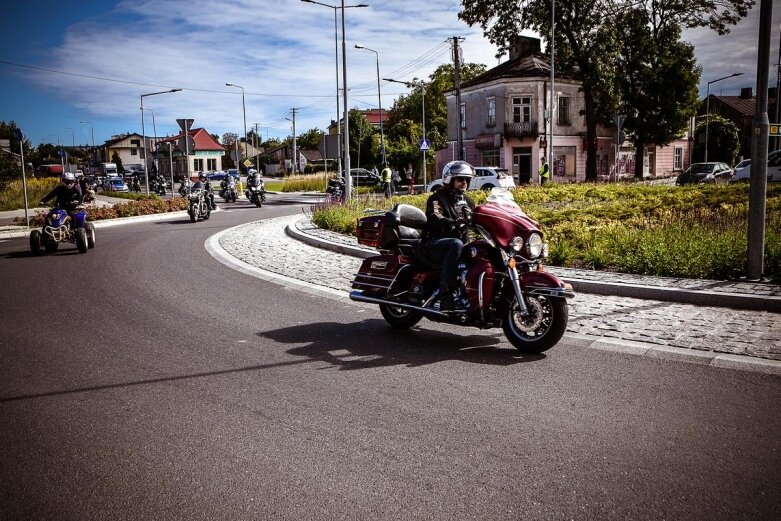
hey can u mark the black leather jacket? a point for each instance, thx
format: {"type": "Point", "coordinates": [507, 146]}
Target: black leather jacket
{"type": "Point", "coordinates": [445, 210]}
{"type": "Point", "coordinates": [67, 198]}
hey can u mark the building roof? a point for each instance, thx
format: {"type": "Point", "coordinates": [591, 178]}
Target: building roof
{"type": "Point", "coordinates": [114, 141]}
{"type": "Point", "coordinates": [203, 140]}
{"type": "Point", "coordinates": [311, 155]}
{"type": "Point", "coordinates": [532, 65]}
{"type": "Point", "coordinates": [740, 104]}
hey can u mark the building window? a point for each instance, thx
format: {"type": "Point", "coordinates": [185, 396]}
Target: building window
{"type": "Point", "coordinates": [490, 157]}
{"type": "Point", "coordinates": [212, 164]}
{"type": "Point", "coordinates": [564, 161]}
{"type": "Point", "coordinates": [522, 109]}
{"type": "Point", "coordinates": [463, 115]}
{"type": "Point", "coordinates": [135, 142]}
{"type": "Point", "coordinates": [564, 111]}
{"type": "Point", "coordinates": [133, 151]}
{"type": "Point", "coordinates": [198, 164]}
{"type": "Point", "coordinates": [491, 112]}
{"type": "Point", "coordinates": [678, 159]}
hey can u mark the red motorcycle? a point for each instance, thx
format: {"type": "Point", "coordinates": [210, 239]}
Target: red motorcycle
{"type": "Point", "coordinates": [501, 273]}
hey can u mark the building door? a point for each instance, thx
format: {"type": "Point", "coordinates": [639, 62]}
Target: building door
{"type": "Point", "coordinates": [522, 165]}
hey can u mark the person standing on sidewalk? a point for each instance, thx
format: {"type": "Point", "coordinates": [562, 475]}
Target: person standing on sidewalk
{"type": "Point", "coordinates": [387, 181]}
{"type": "Point", "coordinates": [410, 178]}
{"type": "Point", "coordinates": [544, 172]}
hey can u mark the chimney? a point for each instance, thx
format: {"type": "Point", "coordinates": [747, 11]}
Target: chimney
{"type": "Point", "coordinates": [746, 93]}
{"type": "Point", "coordinates": [524, 46]}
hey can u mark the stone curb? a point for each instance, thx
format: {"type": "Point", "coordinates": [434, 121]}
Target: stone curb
{"type": "Point", "coordinates": [645, 292]}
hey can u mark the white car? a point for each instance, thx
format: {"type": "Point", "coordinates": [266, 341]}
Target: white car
{"type": "Point", "coordinates": [743, 171]}
{"type": "Point", "coordinates": [486, 177]}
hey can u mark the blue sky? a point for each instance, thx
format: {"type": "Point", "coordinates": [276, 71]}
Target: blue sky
{"type": "Point", "coordinates": [68, 61]}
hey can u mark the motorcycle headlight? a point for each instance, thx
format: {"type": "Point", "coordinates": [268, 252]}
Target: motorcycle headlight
{"type": "Point", "coordinates": [534, 245]}
{"type": "Point", "coordinates": [516, 244]}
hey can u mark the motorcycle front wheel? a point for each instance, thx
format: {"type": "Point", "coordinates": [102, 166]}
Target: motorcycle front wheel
{"type": "Point", "coordinates": [400, 318]}
{"type": "Point", "coordinates": [542, 329]}
{"type": "Point", "coordinates": [192, 213]}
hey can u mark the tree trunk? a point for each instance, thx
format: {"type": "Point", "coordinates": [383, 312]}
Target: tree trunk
{"type": "Point", "coordinates": [591, 140]}
{"type": "Point", "coordinates": [639, 149]}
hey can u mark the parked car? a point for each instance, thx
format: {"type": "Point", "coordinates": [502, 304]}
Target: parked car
{"type": "Point", "coordinates": [486, 177]}
{"type": "Point", "coordinates": [234, 173]}
{"type": "Point", "coordinates": [217, 176]}
{"type": "Point", "coordinates": [363, 177]}
{"type": "Point", "coordinates": [773, 169]}
{"type": "Point", "coordinates": [705, 173]}
{"type": "Point", "coordinates": [115, 184]}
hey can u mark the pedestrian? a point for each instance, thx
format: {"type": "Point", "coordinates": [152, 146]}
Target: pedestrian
{"type": "Point", "coordinates": [387, 180]}
{"type": "Point", "coordinates": [396, 179]}
{"type": "Point", "coordinates": [410, 178]}
{"type": "Point", "coordinates": [544, 172]}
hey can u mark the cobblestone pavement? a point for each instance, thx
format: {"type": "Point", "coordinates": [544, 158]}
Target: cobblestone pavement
{"type": "Point", "coordinates": [266, 245]}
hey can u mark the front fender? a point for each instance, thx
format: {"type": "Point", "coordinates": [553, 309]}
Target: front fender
{"type": "Point", "coordinates": [543, 283]}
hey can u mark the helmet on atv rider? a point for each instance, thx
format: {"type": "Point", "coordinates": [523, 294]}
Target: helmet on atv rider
{"type": "Point", "coordinates": [202, 176]}
{"type": "Point", "coordinates": [68, 178]}
{"type": "Point", "coordinates": [457, 169]}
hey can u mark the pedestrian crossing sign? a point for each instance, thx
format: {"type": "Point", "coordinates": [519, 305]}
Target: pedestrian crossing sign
{"type": "Point", "coordinates": [424, 144]}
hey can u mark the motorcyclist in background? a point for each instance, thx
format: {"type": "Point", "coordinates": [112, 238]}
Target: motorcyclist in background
{"type": "Point", "coordinates": [252, 180]}
{"type": "Point", "coordinates": [203, 183]}
{"type": "Point", "coordinates": [68, 194]}
{"type": "Point", "coordinates": [448, 212]}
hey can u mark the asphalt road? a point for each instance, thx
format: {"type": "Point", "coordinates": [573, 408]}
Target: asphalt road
{"type": "Point", "coordinates": [146, 380]}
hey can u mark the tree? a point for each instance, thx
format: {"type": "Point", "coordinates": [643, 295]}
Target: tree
{"type": "Point", "coordinates": [723, 140]}
{"type": "Point", "coordinates": [310, 140]}
{"type": "Point", "coordinates": [658, 81]}
{"type": "Point", "coordinates": [583, 32]}
{"type": "Point", "coordinates": [117, 161]}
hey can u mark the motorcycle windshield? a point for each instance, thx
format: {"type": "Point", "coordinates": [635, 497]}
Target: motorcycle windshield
{"type": "Point", "coordinates": [504, 222]}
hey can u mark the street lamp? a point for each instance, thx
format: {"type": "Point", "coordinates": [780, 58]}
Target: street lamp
{"type": "Point", "coordinates": [707, 108]}
{"type": "Point", "coordinates": [346, 138]}
{"type": "Point", "coordinates": [418, 83]}
{"type": "Point", "coordinates": [73, 144]}
{"type": "Point", "coordinates": [92, 129]}
{"type": "Point", "coordinates": [143, 132]}
{"type": "Point", "coordinates": [244, 111]}
{"type": "Point", "coordinates": [154, 129]}
{"type": "Point", "coordinates": [379, 99]}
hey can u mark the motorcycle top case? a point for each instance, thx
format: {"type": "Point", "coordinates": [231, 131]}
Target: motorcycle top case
{"type": "Point", "coordinates": [375, 231]}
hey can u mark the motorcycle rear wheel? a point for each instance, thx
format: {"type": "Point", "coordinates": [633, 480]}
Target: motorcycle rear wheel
{"type": "Point", "coordinates": [399, 317]}
{"type": "Point", "coordinates": [542, 329]}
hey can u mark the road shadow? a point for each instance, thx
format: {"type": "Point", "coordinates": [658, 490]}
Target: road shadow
{"type": "Point", "coordinates": [373, 343]}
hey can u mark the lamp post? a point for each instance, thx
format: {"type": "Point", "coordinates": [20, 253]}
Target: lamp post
{"type": "Point", "coordinates": [336, 54]}
{"type": "Point", "coordinates": [379, 99]}
{"type": "Point", "coordinates": [244, 112]}
{"type": "Point", "coordinates": [92, 129]}
{"type": "Point", "coordinates": [154, 129]}
{"type": "Point", "coordinates": [143, 131]}
{"type": "Point", "coordinates": [73, 145]}
{"type": "Point", "coordinates": [418, 83]}
{"type": "Point", "coordinates": [707, 108]}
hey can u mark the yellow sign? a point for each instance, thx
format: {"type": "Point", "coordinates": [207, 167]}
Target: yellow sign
{"type": "Point", "coordinates": [247, 163]}
{"type": "Point", "coordinates": [775, 129]}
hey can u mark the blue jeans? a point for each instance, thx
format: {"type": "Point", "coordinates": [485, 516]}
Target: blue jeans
{"type": "Point", "coordinates": [447, 251]}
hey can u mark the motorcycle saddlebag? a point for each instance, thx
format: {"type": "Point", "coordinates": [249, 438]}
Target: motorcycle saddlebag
{"type": "Point", "coordinates": [376, 231]}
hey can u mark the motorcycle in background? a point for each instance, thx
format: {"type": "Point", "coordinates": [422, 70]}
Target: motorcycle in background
{"type": "Point", "coordinates": [501, 273]}
{"type": "Point", "coordinates": [228, 191]}
{"type": "Point", "coordinates": [256, 194]}
{"type": "Point", "coordinates": [335, 191]}
{"type": "Point", "coordinates": [60, 226]}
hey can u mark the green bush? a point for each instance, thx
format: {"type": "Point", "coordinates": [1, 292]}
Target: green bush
{"type": "Point", "coordinates": [12, 198]}
{"type": "Point", "coordinates": [695, 232]}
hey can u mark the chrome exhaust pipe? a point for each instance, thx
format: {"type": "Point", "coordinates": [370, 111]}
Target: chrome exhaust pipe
{"type": "Point", "coordinates": [358, 296]}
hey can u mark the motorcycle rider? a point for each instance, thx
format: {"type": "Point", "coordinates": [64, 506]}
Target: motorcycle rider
{"type": "Point", "coordinates": [68, 194]}
{"type": "Point", "coordinates": [253, 180]}
{"type": "Point", "coordinates": [203, 183]}
{"type": "Point", "coordinates": [448, 211]}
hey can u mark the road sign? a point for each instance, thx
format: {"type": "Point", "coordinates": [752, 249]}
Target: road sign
{"type": "Point", "coordinates": [618, 121]}
{"type": "Point", "coordinates": [247, 163]}
{"type": "Point", "coordinates": [619, 137]}
{"type": "Point", "coordinates": [61, 153]}
{"type": "Point", "coordinates": [186, 145]}
{"type": "Point", "coordinates": [235, 155]}
{"type": "Point", "coordinates": [19, 135]}
{"type": "Point", "coordinates": [424, 144]}
{"type": "Point", "coordinates": [185, 124]}
{"type": "Point", "coordinates": [775, 129]}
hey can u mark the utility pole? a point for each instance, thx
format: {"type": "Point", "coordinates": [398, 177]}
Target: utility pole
{"type": "Point", "coordinates": [256, 141]}
{"type": "Point", "coordinates": [295, 147]}
{"type": "Point", "coordinates": [457, 85]}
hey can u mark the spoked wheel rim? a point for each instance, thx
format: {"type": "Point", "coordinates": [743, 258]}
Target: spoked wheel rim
{"type": "Point", "coordinates": [539, 321]}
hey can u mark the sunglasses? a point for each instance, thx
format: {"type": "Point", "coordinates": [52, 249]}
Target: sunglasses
{"type": "Point", "coordinates": [462, 179]}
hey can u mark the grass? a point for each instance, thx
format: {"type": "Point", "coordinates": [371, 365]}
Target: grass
{"type": "Point", "coordinates": [692, 231]}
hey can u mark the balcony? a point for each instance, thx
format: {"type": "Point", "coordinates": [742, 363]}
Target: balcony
{"type": "Point", "coordinates": [524, 129]}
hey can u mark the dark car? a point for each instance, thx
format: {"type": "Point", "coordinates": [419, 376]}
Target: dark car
{"type": "Point", "coordinates": [363, 177]}
{"type": "Point", "coordinates": [710, 173]}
